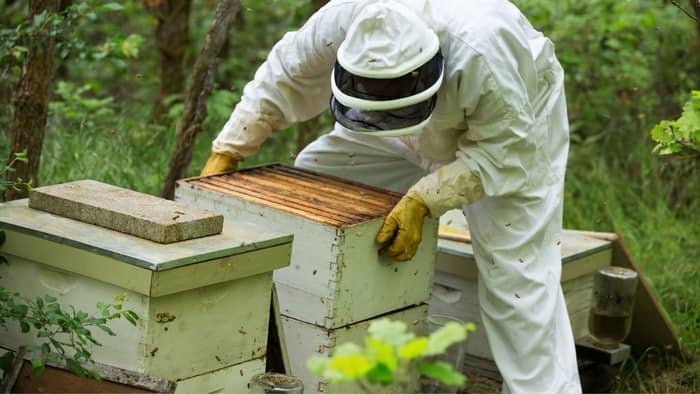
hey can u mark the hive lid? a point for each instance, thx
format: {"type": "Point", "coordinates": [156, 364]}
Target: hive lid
{"type": "Point", "coordinates": [234, 239]}
{"type": "Point", "coordinates": [322, 198]}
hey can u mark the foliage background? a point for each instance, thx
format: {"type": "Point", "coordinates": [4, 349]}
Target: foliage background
{"type": "Point", "coordinates": [629, 64]}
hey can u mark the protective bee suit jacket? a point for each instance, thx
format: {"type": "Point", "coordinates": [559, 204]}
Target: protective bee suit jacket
{"type": "Point", "coordinates": [500, 123]}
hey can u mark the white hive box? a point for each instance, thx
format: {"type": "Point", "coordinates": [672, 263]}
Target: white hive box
{"type": "Point", "coordinates": [455, 288]}
{"type": "Point", "coordinates": [305, 340]}
{"type": "Point", "coordinates": [336, 276]}
{"type": "Point", "coordinates": [203, 303]}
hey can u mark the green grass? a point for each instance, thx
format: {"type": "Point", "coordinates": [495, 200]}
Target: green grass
{"type": "Point", "coordinates": [638, 198]}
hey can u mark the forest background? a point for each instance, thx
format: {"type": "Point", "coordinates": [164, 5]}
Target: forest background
{"type": "Point", "coordinates": [116, 99]}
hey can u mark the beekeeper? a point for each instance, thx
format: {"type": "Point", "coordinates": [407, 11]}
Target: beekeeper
{"type": "Point", "coordinates": [459, 104]}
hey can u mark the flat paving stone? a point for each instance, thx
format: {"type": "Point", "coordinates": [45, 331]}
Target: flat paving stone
{"type": "Point", "coordinates": [127, 211]}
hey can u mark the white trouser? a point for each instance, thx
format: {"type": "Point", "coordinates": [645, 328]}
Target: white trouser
{"type": "Point", "coordinates": [517, 253]}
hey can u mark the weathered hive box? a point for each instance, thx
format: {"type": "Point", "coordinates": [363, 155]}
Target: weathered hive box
{"type": "Point", "coordinates": [455, 289]}
{"type": "Point", "coordinates": [304, 340]}
{"type": "Point", "coordinates": [336, 276]}
{"type": "Point", "coordinates": [203, 303]}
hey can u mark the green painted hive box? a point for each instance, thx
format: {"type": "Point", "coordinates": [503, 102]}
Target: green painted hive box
{"type": "Point", "coordinates": [336, 276]}
{"type": "Point", "coordinates": [203, 303]}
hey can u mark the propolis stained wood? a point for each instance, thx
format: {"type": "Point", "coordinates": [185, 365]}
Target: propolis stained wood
{"type": "Point", "coordinates": [336, 276]}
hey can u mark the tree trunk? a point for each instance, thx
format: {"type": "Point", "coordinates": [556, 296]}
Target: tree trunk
{"type": "Point", "coordinates": [196, 101]}
{"type": "Point", "coordinates": [695, 5]}
{"type": "Point", "coordinates": [308, 131]}
{"type": "Point", "coordinates": [31, 103]}
{"type": "Point", "coordinates": [171, 31]}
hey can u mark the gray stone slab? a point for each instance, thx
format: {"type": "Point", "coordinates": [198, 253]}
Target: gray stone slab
{"type": "Point", "coordinates": [127, 211]}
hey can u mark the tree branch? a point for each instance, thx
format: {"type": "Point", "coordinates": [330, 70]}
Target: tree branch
{"type": "Point", "coordinates": [693, 17]}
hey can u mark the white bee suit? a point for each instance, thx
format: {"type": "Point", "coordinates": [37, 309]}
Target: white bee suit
{"type": "Point", "coordinates": [496, 145]}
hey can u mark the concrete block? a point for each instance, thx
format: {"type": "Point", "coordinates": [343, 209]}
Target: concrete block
{"type": "Point", "coordinates": [127, 211]}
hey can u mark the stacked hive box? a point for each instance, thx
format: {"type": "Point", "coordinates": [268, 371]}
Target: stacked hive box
{"type": "Point", "coordinates": [455, 290]}
{"type": "Point", "coordinates": [194, 327]}
{"type": "Point", "coordinates": [336, 279]}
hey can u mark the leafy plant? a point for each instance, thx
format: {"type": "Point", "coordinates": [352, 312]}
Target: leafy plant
{"type": "Point", "coordinates": [64, 332]}
{"type": "Point", "coordinates": [680, 137]}
{"type": "Point", "coordinates": [15, 42]}
{"type": "Point", "coordinates": [59, 331]}
{"type": "Point", "coordinates": [391, 355]}
{"type": "Point", "coordinates": [78, 105]}
{"type": "Point", "coordinates": [10, 168]}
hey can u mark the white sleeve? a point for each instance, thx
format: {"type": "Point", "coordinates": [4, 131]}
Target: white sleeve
{"type": "Point", "coordinates": [496, 156]}
{"type": "Point", "coordinates": [292, 85]}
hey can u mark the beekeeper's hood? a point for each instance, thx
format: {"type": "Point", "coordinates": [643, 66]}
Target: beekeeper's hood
{"type": "Point", "coordinates": [388, 71]}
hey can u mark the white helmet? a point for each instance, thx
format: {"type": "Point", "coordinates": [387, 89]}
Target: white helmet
{"type": "Point", "coordinates": [388, 71]}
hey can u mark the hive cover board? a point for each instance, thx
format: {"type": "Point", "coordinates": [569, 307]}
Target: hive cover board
{"type": "Point", "coordinates": [124, 210]}
{"type": "Point", "coordinates": [322, 198]}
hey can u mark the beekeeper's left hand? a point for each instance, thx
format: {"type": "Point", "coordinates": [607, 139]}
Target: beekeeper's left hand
{"type": "Point", "coordinates": [403, 227]}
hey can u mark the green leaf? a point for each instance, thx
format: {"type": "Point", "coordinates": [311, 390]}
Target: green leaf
{"type": "Point", "coordinates": [389, 331]}
{"type": "Point", "coordinates": [350, 366]}
{"type": "Point", "coordinates": [94, 375]}
{"type": "Point", "coordinates": [110, 7]}
{"type": "Point", "coordinates": [19, 310]}
{"type": "Point", "coordinates": [6, 361]}
{"type": "Point", "coordinates": [414, 348]}
{"type": "Point", "coordinates": [443, 372]}
{"type": "Point", "coordinates": [382, 352]}
{"type": "Point", "coordinates": [57, 345]}
{"type": "Point", "coordinates": [380, 374]}
{"type": "Point", "coordinates": [131, 45]}
{"type": "Point", "coordinates": [37, 367]}
{"type": "Point", "coordinates": [24, 326]}
{"type": "Point", "coordinates": [76, 368]}
{"type": "Point", "coordinates": [106, 329]}
{"type": "Point", "coordinates": [440, 340]}
{"type": "Point", "coordinates": [39, 19]}
{"type": "Point", "coordinates": [131, 316]}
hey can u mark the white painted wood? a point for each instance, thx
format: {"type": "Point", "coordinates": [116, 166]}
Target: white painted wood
{"type": "Point", "coordinates": [211, 328]}
{"type": "Point", "coordinates": [232, 379]}
{"type": "Point", "coordinates": [305, 340]}
{"type": "Point", "coordinates": [336, 276]}
{"type": "Point", "coordinates": [31, 279]}
{"type": "Point", "coordinates": [196, 318]}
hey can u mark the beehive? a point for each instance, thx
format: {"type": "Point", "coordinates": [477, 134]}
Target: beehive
{"type": "Point", "coordinates": [304, 340]}
{"type": "Point", "coordinates": [455, 290]}
{"type": "Point", "coordinates": [188, 294]}
{"type": "Point", "coordinates": [336, 276]}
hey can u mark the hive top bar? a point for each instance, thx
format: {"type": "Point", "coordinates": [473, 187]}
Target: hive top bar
{"type": "Point", "coordinates": [127, 211]}
{"type": "Point", "coordinates": [235, 239]}
{"type": "Point", "coordinates": [322, 198]}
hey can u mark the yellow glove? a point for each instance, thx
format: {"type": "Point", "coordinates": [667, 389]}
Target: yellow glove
{"type": "Point", "coordinates": [403, 227]}
{"type": "Point", "coordinates": [219, 162]}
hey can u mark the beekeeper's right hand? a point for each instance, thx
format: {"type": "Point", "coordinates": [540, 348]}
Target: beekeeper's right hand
{"type": "Point", "coordinates": [219, 162]}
